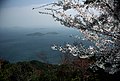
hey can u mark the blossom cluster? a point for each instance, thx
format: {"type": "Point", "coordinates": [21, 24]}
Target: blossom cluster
{"type": "Point", "coordinates": [97, 22]}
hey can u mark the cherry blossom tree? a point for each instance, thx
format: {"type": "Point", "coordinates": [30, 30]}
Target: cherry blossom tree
{"type": "Point", "coordinates": [98, 21]}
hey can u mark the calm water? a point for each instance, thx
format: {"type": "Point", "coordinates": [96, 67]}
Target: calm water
{"type": "Point", "coordinates": [16, 45]}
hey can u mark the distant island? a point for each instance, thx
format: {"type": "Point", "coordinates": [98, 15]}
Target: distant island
{"type": "Point", "coordinates": [42, 34]}
{"type": "Point", "coordinates": [35, 34]}
{"type": "Point", "coordinates": [53, 33]}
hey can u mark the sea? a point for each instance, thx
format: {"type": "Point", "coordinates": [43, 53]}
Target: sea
{"type": "Point", "coordinates": [19, 44]}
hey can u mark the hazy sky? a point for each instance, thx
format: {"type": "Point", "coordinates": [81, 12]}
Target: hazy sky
{"type": "Point", "coordinates": [19, 13]}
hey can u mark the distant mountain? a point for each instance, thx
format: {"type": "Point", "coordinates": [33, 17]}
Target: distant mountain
{"type": "Point", "coordinates": [41, 34]}
{"type": "Point", "coordinates": [35, 34]}
{"type": "Point", "coordinates": [53, 33]}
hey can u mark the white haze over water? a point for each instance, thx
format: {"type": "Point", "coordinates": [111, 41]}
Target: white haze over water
{"type": "Point", "coordinates": [25, 17]}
